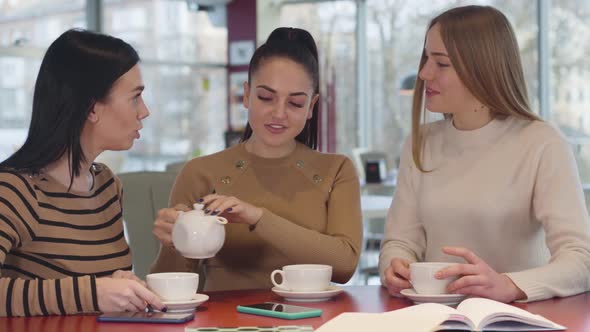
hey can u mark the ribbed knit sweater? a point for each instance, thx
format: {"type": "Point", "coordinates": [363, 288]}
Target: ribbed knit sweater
{"type": "Point", "coordinates": [509, 191]}
{"type": "Point", "coordinates": [54, 243]}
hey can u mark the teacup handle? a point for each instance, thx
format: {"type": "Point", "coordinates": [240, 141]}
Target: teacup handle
{"type": "Point", "coordinates": [283, 284]}
{"type": "Point", "coordinates": [222, 220]}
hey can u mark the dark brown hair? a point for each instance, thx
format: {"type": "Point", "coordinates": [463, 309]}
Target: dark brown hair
{"type": "Point", "coordinates": [299, 46]}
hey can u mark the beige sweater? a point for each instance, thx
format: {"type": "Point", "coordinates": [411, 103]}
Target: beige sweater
{"type": "Point", "coordinates": [55, 243]}
{"type": "Point", "coordinates": [311, 205]}
{"type": "Point", "coordinates": [509, 191]}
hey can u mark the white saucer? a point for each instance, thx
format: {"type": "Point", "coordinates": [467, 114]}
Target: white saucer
{"type": "Point", "coordinates": [187, 305]}
{"type": "Point", "coordinates": [448, 299]}
{"type": "Point", "coordinates": [310, 296]}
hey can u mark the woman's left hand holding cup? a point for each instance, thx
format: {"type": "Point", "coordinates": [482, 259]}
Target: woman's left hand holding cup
{"type": "Point", "coordinates": [397, 276]}
{"type": "Point", "coordinates": [477, 278]}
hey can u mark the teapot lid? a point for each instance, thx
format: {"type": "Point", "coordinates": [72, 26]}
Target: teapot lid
{"type": "Point", "coordinates": [199, 209]}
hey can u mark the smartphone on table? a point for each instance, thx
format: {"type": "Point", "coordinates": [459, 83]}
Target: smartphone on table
{"type": "Point", "coordinates": [279, 310]}
{"type": "Point", "coordinates": [146, 317]}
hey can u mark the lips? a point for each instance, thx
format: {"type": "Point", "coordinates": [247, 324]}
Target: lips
{"type": "Point", "coordinates": [137, 134]}
{"type": "Point", "coordinates": [275, 128]}
{"type": "Point", "coordinates": [431, 92]}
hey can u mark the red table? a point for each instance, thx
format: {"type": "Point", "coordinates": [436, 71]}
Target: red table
{"type": "Point", "coordinates": [572, 312]}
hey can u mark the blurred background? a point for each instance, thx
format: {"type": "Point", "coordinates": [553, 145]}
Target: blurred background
{"type": "Point", "coordinates": [369, 49]}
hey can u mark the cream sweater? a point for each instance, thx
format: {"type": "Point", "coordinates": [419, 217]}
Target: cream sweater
{"type": "Point", "coordinates": [509, 191]}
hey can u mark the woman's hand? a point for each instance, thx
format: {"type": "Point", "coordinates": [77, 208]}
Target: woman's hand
{"type": "Point", "coordinates": [234, 209]}
{"type": "Point", "coordinates": [125, 295]}
{"type": "Point", "coordinates": [165, 222]}
{"type": "Point", "coordinates": [397, 276]}
{"type": "Point", "coordinates": [477, 278]}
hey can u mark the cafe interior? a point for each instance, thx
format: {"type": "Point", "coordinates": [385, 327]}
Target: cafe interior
{"type": "Point", "coordinates": [194, 60]}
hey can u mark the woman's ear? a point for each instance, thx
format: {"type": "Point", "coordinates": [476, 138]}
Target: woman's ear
{"type": "Point", "coordinates": [246, 98]}
{"type": "Point", "coordinates": [312, 104]}
{"type": "Point", "coordinates": [95, 112]}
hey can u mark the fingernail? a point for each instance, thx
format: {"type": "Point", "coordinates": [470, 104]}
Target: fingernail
{"type": "Point", "coordinates": [215, 212]}
{"type": "Point", "coordinates": [200, 200]}
{"type": "Point", "coordinates": [164, 309]}
{"type": "Point", "coordinates": [228, 210]}
{"type": "Point", "coordinates": [438, 275]}
{"type": "Point", "coordinates": [207, 210]}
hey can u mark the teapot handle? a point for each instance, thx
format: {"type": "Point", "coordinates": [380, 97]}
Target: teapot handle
{"type": "Point", "coordinates": [221, 220]}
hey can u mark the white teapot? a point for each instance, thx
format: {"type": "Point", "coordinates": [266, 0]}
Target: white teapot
{"type": "Point", "coordinates": [196, 235]}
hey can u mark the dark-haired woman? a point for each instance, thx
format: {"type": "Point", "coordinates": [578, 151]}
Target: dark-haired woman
{"type": "Point", "coordinates": [62, 249]}
{"type": "Point", "coordinates": [286, 202]}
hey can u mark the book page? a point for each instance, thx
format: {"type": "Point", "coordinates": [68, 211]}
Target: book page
{"type": "Point", "coordinates": [485, 311]}
{"type": "Point", "coordinates": [423, 317]}
{"type": "Point", "coordinates": [282, 328]}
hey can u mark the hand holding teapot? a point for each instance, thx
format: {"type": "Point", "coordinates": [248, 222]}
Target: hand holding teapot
{"type": "Point", "coordinates": [233, 208]}
{"type": "Point", "coordinates": [164, 223]}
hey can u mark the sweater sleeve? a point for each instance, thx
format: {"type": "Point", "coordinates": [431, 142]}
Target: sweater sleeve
{"type": "Point", "coordinates": [340, 244]}
{"type": "Point", "coordinates": [558, 203]}
{"type": "Point", "coordinates": [404, 235]}
{"type": "Point", "coordinates": [37, 296]}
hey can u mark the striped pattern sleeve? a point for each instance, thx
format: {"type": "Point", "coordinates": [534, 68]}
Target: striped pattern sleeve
{"type": "Point", "coordinates": [36, 297]}
{"type": "Point", "coordinates": [33, 295]}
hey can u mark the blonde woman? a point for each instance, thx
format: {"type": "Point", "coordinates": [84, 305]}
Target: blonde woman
{"type": "Point", "coordinates": [492, 187]}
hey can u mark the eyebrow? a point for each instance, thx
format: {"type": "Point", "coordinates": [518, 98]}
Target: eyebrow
{"type": "Point", "coordinates": [275, 91]}
{"type": "Point", "coordinates": [437, 53]}
{"type": "Point", "coordinates": [138, 88]}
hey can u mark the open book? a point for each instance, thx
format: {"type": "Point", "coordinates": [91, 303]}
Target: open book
{"type": "Point", "coordinates": [474, 314]}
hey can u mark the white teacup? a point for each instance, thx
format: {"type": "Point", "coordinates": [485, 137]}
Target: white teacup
{"type": "Point", "coordinates": [173, 286]}
{"type": "Point", "coordinates": [303, 277]}
{"type": "Point", "coordinates": [423, 280]}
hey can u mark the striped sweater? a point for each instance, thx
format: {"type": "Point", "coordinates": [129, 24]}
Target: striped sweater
{"type": "Point", "coordinates": [55, 243]}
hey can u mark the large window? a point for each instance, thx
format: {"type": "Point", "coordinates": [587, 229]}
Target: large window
{"type": "Point", "coordinates": [27, 27]}
{"type": "Point", "coordinates": [333, 26]}
{"type": "Point", "coordinates": [183, 62]}
{"type": "Point", "coordinates": [36, 23]}
{"type": "Point", "coordinates": [569, 29]}
{"type": "Point", "coordinates": [395, 37]}
{"type": "Point", "coordinates": [183, 56]}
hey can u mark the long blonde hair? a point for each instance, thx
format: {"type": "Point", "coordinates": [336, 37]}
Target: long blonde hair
{"type": "Point", "coordinates": [482, 48]}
